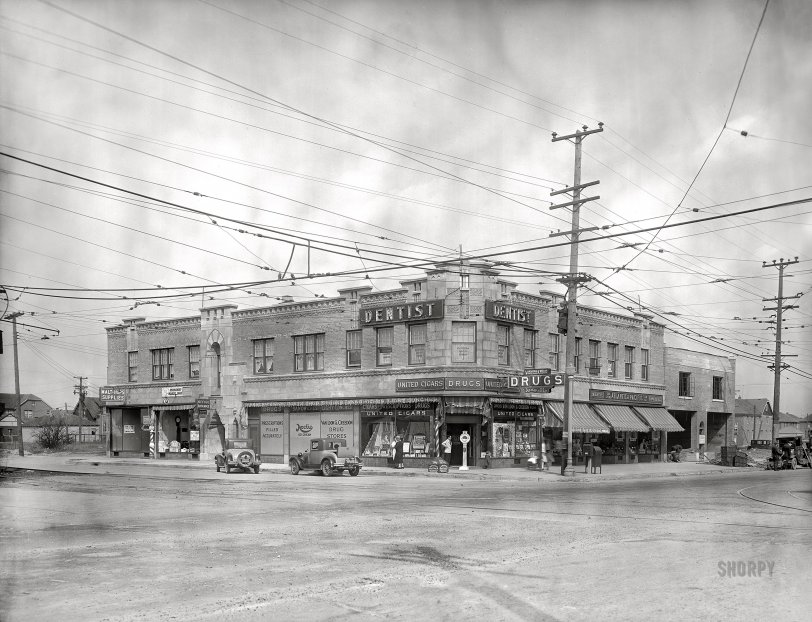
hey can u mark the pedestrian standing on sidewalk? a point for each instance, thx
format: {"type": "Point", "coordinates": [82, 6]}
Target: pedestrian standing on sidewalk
{"type": "Point", "coordinates": [398, 459]}
{"type": "Point", "coordinates": [447, 449]}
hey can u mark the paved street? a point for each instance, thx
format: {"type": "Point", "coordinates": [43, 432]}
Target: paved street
{"type": "Point", "coordinates": [190, 544]}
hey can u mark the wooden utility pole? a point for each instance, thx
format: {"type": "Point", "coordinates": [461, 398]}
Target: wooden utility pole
{"type": "Point", "coordinates": [571, 281]}
{"type": "Point", "coordinates": [778, 365]}
{"type": "Point", "coordinates": [81, 390]}
{"type": "Point", "coordinates": [13, 317]}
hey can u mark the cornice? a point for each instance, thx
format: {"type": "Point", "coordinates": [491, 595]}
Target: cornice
{"type": "Point", "coordinates": [316, 306]}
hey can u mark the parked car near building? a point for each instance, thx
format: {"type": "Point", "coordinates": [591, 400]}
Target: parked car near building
{"type": "Point", "coordinates": [238, 454]}
{"type": "Point", "coordinates": [328, 455]}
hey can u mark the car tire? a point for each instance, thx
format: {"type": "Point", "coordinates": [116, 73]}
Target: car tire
{"type": "Point", "coordinates": [294, 467]}
{"type": "Point", "coordinates": [326, 468]}
{"type": "Point", "coordinates": [354, 471]}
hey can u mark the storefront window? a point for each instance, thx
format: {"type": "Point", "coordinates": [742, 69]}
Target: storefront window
{"type": "Point", "coordinates": [379, 429]}
{"type": "Point", "coordinates": [515, 434]}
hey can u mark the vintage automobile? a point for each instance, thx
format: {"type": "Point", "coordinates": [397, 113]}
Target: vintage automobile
{"type": "Point", "coordinates": [327, 455]}
{"type": "Point", "coordinates": [238, 454]}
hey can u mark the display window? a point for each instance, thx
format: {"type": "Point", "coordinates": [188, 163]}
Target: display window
{"type": "Point", "coordinates": [379, 429]}
{"type": "Point", "coordinates": [515, 435]}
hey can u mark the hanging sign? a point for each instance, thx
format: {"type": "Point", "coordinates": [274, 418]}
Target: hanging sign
{"type": "Point", "coordinates": [171, 391]}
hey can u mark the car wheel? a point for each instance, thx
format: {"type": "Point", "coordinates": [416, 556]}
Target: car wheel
{"type": "Point", "coordinates": [325, 468]}
{"type": "Point", "coordinates": [294, 467]}
{"type": "Point", "coordinates": [354, 471]}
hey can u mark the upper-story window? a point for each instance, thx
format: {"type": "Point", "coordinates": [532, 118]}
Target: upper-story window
{"type": "Point", "coordinates": [628, 362]}
{"type": "Point", "coordinates": [594, 357]}
{"type": "Point", "coordinates": [686, 384]}
{"type": "Point", "coordinates": [555, 351]}
{"type": "Point", "coordinates": [263, 356]}
{"type": "Point", "coordinates": [529, 348]}
{"type": "Point", "coordinates": [308, 352]}
{"type": "Point", "coordinates": [194, 361]}
{"type": "Point", "coordinates": [354, 348]}
{"type": "Point", "coordinates": [504, 292]}
{"type": "Point", "coordinates": [463, 342]}
{"type": "Point", "coordinates": [132, 366]}
{"type": "Point", "coordinates": [162, 367]}
{"type": "Point", "coordinates": [417, 344]}
{"type": "Point", "coordinates": [503, 344]}
{"type": "Point", "coordinates": [384, 339]}
{"type": "Point", "coordinates": [28, 414]}
{"type": "Point", "coordinates": [718, 388]}
{"type": "Point", "coordinates": [611, 360]}
{"type": "Point", "coordinates": [464, 281]}
{"type": "Point", "coordinates": [645, 362]}
{"type": "Point", "coordinates": [578, 353]}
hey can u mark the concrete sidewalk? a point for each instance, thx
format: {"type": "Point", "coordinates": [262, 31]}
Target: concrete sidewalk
{"type": "Point", "coordinates": [78, 463]}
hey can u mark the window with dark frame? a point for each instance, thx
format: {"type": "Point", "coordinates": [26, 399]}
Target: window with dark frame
{"type": "Point", "coordinates": [132, 366]}
{"type": "Point", "coordinates": [644, 364]}
{"type": "Point", "coordinates": [529, 348]}
{"type": "Point", "coordinates": [628, 367]}
{"type": "Point", "coordinates": [263, 356]}
{"type": "Point", "coordinates": [308, 352]}
{"type": "Point", "coordinates": [686, 385]}
{"type": "Point", "coordinates": [417, 344]}
{"type": "Point", "coordinates": [502, 344]}
{"type": "Point", "coordinates": [194, 361]}
{"type": "Point", "coordinates": [718, 388]}
{"type": "Point", "coordinates": [555, 351]}
{"type": "Point", "coordinates": [162, 365]}
{"type": "Point", "coordinates": [384, 339]}
{"type": "Point", "coordinates": [463, 342]}
{"type": "Point", "coordinates": [594, 357]}
{"type": "Point", "coordinates": [354, 340]}
{"type": "Point", "coordinates": [611, 360]}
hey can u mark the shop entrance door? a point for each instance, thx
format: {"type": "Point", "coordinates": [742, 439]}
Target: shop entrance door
{"type": "Point", "coordinates": [453, 430]}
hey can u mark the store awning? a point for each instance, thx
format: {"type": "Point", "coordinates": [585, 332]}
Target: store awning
{"type": "Point", "coordinates": [584, 418]}
{"type": "Point", "coordinates": [621, 418]}
{"type": "Point", "coordinates": [658, 419]}
{"type": "Point", "coordinates": [173, 407]}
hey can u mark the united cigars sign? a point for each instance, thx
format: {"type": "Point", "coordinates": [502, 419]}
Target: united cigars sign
{"type": "Point", "coordinates": [406, 312]}
{"type": "Point", "coordinates": [512, 314]}
{"type": "Point", "coordinates": [441, 384]}
{"type": "Point", "coordinates": [623, 397]}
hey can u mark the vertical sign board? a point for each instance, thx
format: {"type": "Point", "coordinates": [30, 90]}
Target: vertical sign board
{"type": "Point", "coordinates": [303, 427]}
{"type": "Point", "coordinates": [271, 426]}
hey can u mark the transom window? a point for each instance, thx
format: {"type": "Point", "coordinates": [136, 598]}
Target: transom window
{"type": "Point", "coordinates": [194, 361]}
{"type": "Point", "coordinates": [503, 344]}
{"type": "Point", "coordinates": [162, 367]}
{"type": "Point", "coordinates": [417, 344]}
{"type": "Point", "coordinates": [384, 339]}
{"type": "Point", "coordinates": [263, 356]}
{"type": "Point", "coordinates": [354, 348]}
{"type": "Point", "coordinates": [308, 352]}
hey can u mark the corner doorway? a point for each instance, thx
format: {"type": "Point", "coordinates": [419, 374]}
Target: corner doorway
{"type": "Point", "coordinates": [453, 430]}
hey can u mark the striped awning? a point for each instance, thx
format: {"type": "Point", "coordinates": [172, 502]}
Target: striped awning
{"type": "Point", "coordinates": [173, 407]}
{"type": "Point", "coordinates": [584, 418]}
{"type": "Point", "coordinates": [659, 419]}
{"type": "Point", "coordinates": [621, 418]}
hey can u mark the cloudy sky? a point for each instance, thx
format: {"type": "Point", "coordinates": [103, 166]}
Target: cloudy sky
{"type": "Point", "coordinates": [154, 148]}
